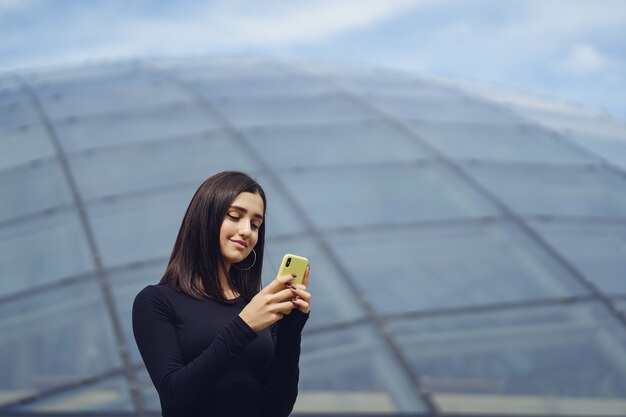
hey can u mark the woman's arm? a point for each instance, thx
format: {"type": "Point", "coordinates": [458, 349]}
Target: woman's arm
{"type": "Point", "coordinates": [281, 385]}
{"type": "Point", "coordinates": [181, 386]}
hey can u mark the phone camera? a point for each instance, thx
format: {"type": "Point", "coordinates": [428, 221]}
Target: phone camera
{"type": "Point", "coordinates": [288, 262]}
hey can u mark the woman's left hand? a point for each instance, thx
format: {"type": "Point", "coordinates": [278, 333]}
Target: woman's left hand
{"type": "Point", "coordinates": [302, 298]}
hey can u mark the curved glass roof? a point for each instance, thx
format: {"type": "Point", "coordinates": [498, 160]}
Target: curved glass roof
{"type": "Point", "coordinates": [467, 244]}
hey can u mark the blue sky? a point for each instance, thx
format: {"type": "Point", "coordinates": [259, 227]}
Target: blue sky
{"type": "Point", "coordinates": [572, 50]}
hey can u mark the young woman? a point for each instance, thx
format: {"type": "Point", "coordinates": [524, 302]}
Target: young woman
{"type": "Point", "coordinates": [213, 342]}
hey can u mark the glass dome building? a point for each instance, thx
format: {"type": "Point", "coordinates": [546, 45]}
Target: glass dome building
{"type": "Point", "coordinates": [468, 245]}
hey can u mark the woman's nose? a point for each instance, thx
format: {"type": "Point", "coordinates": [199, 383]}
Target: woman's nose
{"type": "Point", "coordinates": [244, 228]}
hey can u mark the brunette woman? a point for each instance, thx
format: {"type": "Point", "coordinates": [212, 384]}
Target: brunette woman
{"type": "Point", "coordinates": [214, 343]}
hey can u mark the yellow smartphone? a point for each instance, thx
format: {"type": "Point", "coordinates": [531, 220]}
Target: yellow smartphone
{"type": "Point", "coordinates": [295, 265]}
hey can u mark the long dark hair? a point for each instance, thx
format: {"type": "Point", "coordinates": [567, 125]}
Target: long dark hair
{"type": "Point", "coordinates": [196, 259]}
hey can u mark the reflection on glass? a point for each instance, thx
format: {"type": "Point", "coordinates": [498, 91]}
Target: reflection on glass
{"type": "Point", "coordinates": [597, 250]}
{"type": "Point", "coordinates": [611, 149]}
{"type": "Point", "coordinates": [110, 395]}
{"type": "Point", "coordinates": [32, 189]}
{"type": "Point", "coordinates": [554, 360]}
{"type": "Point", "coordinates": [211, 68]}
{"type": "Point", "coordinates": [326, 108]}
{"type": "Point", "coordinates": [113, 97]}
{"type": "Point", "coordinates": [424, 268]}
{"type": "Point", "coordinates": [500, 142]}
{"type": "Point", "coordinates": [280, 217]}
{"type": "Point", "coordinates": [444, 109]}
{"type": "Point", "coordinates": [24, 145]}
{"type": "Point", "coordinates": [18, 113]}
{"type": "Point", "coordinates": [42, 250]}
{"type": "Point", "coordinates": [258, 85]}
{"type": "Point", "coordinates": [102, 97]}
{"type": "Point", "coordinates": [555, 191]}
{"type": "Point", "coordinates": [153, 165]}
{"type": "Point", "coordinates": [334, 145]}
{"type": "Point", "coordinates": [383, 195]}
{"type": "Point", "coordinates": [154, 123]}
{"type": "Point", "coordinates": [368, 81]}
{"type": "Point", "coordinates": [142, 227]}
{"type": "Point", "coordinates": [350, 370]}
{"type": "Point", "coordinates": [55, 338]}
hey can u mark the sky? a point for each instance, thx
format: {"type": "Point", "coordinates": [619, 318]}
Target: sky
{"type": "Point", "coordinates": [568, 50]}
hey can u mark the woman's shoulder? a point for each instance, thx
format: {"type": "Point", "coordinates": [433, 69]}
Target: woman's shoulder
{"type": "Point", "coordinates": [156, 295]}
{"type": "Point", "coordinates": [155, 291]}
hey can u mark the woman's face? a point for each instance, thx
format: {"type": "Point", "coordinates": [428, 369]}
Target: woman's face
{"type": "Point", "coordinates": [240, 228]}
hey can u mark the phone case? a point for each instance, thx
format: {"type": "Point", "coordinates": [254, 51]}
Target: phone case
{"type": "Point", "coordinates": [293, 264]}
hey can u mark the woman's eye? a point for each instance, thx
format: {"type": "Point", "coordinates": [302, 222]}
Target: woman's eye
{"type": "Point", "coordinates": [233, 217]}
{"type": "Point", "coordinates": [255, 226]}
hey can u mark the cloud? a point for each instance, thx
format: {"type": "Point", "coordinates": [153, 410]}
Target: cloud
{"type": "Point", "coordinates": [9, 5]}
{"type": "Point", "coordinates": [111, 29]}
{"type": "Point", "coordinates": [584, 59]}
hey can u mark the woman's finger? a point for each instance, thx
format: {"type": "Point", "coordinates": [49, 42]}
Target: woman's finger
{"type": "Point", "coordinates": [278, 283]}
{"type": "Point", "coordinates": [305, 279]}
{"type": "Point", "coordinates": [299, 286]}
{"type": "Point", "coordinates": [301, 305]}
{"type": "Point", "coordinates": [284, 294]}
{"type": "Point", "coordinates": [284, 306]}
{"type": "Point", "coordinates": [301, 293]}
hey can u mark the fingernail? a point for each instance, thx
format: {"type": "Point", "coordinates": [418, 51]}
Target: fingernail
{"type": "Point", "coordinates": [294, 275]}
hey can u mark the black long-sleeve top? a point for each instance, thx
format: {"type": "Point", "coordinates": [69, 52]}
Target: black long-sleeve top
{"type": "Point", "coordinates": [205, 361]}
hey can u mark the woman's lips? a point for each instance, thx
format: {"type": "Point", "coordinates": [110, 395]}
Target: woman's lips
{"type": "Point", "coordinates": [239, 243]}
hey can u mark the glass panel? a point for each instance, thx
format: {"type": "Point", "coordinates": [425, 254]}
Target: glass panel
{"type": "Point", "coordinates": [112, 97]}
{"type": "Point", "coordinates": [10, 92]}
{"type": "Point", "coordinates": [54, 338]}
{"type": "Point", "coordinates": [515, 143]}
{"type": "Point", "coordinates": [35, 188]}
{"type": "Point", "coordinates": [42, 250]}
{"type": "Point", "coordinates": [541, 190]}
{"type": "Point", "coordinates": [388, 194]}
{"type": "Point", "coordinates": [210, 68]}
{"type": "Point", "coordinates": [126, 284]}
{"type": "Point", "coordinates": [438, 267]}
{"type": "Point", "coordinates": [612, 150]}
{"type": "Point", "coordinates": [387, 82]}
{"type": "Point", "coordinates": [18, 113]}
{"type": "Point", "coordinates": [273, 84]}
{"type": "Point", "coordinates": [553, 360]}
{"type": "Point", "coordinates": [25, 144]}
{"type": "Point", "coordinates": [280, 217]}
{"type": "Point", "coordinates": [569, 119]}
{"type": "Point", "coordinates": [76, 78]}
{"type": "Point", "coordinates": [134, 126]}
{"type": "Point", "coordinates": [351, 370]}
{"type": "Point", "coordinates": [597, 250]}
{"type": "Point", "coordinates": [343, 144]}
{"type": "Point", "coordinates": [292, 110]}
{"type": "Point", "coordinates": [157, 164]}
{"type": "Point", "coordinates": [140, 227]}
{"type": "Point", "coordinates": [459, 110]}
{"type": "Point", "coordinates": [333, 301]}
{"type": "Point", "coordinates": [110, 395]}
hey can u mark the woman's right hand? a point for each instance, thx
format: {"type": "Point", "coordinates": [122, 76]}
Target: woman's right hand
{"type": "Point", "coordinates": [268, 305]}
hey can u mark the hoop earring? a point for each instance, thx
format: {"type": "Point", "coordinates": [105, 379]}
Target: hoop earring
{"type": "Point", "coordinates": [248, 268]}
